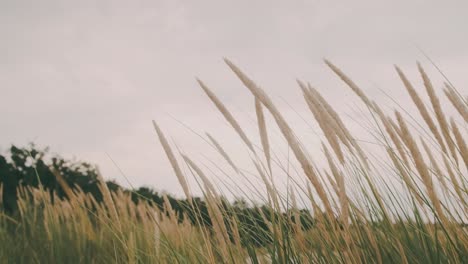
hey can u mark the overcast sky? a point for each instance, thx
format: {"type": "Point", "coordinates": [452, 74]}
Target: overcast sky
{"type": "Point", "coordinates": [87, 77]}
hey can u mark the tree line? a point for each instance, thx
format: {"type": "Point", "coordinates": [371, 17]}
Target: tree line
{"type": "Point", "coordinates": [33, 167]}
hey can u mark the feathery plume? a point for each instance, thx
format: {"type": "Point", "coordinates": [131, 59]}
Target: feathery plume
{"type": "Point", "coordinates": [175, 165]}
{"type": "Point", "coordinates": [343, 198]}
{"type": "Point", "coordinates": [392, 132]}
{"type": "Point", "coordinates": [421, 108]}
{"type": "Point", "coordinates": [263, 131]}
{"type": "Point", "coordinates": [349, 82]}
{"type": "Point", "coordinates": [287, 133]}
{"type": "Point", "coordinates": [222, 152]}
{"type": "Point", "coordinates": [227, 115]}
{"type": "Point", "coordinates": [438, 112]}
{"type": "Point", "coordinates": [437, 171]}
{"type": "Point", "coordinates": [324, 122]}
{"type": "Point", "coordinates": [421, 166]}
{"type": "Point", "coordinates": [208, 186]}
{"type": "Point", "coordinates": [457, 102]}
{"type": "Point", "coordinates": [404, 175]}
{"type": "Point", "coordinates": [462, 147]}
{"type": "Point", "coordinates": [340, 124]}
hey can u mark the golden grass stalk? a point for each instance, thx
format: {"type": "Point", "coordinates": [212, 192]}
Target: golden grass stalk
{"type": "Point", "coordinates": [341, 127]}
{"type": "Point", "coordinates": [421, 167]}
{"type": "Point", "coordinates": [173, 161]}
{"type": "Point", "coordinates": [332, 182]}
{"type": "Point", "coordinates": [223, 153]}
{"type": "Point", "coordinates": [206, 182]}
{"type": "Point", "coordinates": [169, 210]}
{"type": "Point", "coordinates": [461, 144]}
{"type": "Point", "coordinates": [325, 122]}
{"type": "Point", "coordinates": [339, 178]}
{"type": "Point", "coordinates": [297, 225]}
{"type": "Point", "coordinates": [405, 175]}
{"type": "Point", "coordinates": [61, 181]}
{"type": "Point", "coordinates": [404, 259]}
{"type": "Point", "coordinates": [330, 115]}
{"type": "Point", "coordinates": [392, 132]}
{"type": "Point", "coordinates": [373, 243]}
{"type": "Point", "coordinates": [227, 115]}
{"type": "Point", "coordinates": [457, 102]}
{"type": "Point", "coordinates": [272, 194]}
{"type": "Point", "coordinates": [436, 169]}
{"type": "Point", "coordinates": [456, 185]}
{"type": "Point", "coordinates": [263, 132]}
{"type": "Point", "coordinates": [438, 112]}
{"type": "Point", "coordinates": [349, 82]}
{"type": "Point", "coordinates": [216, 216]}
{"type": "Point", "coordinates": [287, 133]}
{"type": "Point", "coordinates": [421, 108]}
{"type": "Point", "coordinates": [235, 232]}
{"type": "Point", "coordinates": [108, 201]}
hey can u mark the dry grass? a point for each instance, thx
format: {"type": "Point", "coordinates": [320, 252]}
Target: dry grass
{"type": "Point", "coordinates": [406, 206]}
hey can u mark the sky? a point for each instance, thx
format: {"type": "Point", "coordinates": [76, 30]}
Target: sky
{"type": "Point", "coordinates": [87, 77]}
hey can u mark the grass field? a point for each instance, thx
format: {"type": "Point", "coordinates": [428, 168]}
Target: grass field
{"type": "Point", "coordinates": [407, 206]}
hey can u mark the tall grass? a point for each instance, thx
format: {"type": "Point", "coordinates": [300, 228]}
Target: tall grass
{"type": "Point", "coordinates": [407, 204]}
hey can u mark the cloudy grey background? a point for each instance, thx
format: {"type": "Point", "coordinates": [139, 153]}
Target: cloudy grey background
{"type": "Point", "coordinates": [87, 77]}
